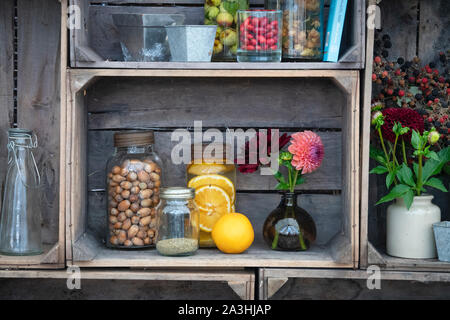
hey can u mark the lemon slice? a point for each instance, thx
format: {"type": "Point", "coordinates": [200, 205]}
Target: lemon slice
{"type": "Point", "coordinates": [206, 239]}
{"type": "Point", "coordinates": [206, 168]}
{"type": "Point", "coordinates": [213, 202]}
{"type": "Point", "coordinates": [214, 179]}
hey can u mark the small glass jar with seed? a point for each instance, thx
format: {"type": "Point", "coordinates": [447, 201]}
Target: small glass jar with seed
{"type": "Point", "coordinates": [178, 228]}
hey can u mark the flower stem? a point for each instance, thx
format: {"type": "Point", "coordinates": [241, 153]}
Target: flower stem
{"type": "Point", "coordinates": [292, 186]}
{"type": "Point", "coordinates": [384, 148]}
{"type": "Point", "coordinates": [419, 176]}
{"type": "Point", "coordinates": [404, 152]}
{"type": "Point", "coordinates": [395, 150]}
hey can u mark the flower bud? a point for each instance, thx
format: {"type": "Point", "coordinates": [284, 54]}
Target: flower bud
{"type": "Point", "coordinates": [376, 116]}
{"type": "Point", "coordinates": [284, 155]}
{"type": "Point", "coordinates": [433, 137]}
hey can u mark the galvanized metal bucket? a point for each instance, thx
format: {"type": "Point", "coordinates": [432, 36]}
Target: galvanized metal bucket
{"type": "Point", "coordinates": [442, 236]}
{"type": "Point", "coordinates": [143, 37]}
{"type": "Point", "coordinates": [191, 43]}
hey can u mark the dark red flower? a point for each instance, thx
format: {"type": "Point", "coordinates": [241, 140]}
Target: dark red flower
{"type": "Point", "coordinates": [248, 167]}
{"type": "Point", "coordinates": [407, 117]}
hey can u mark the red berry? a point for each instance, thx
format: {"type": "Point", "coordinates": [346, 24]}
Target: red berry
{"type": "Point", "coordinates": [271, 42]}
{"type": "Point", "coordinates": [374, 77]}
{"type": "Point", "coordinates": [258, 47]}
{"type": "Point", "coordinates": [401, 93]}
{"type": "Point", "coordinates": [389, 92]}
{"type": "Point", "coordinates": [441, 79]}
{"type": "Point", "coordinates": [448, 91]}
{"type": "Point", "coordinates": [442, 120]}
{"type": "Point", "coordinates": [270, 34]}
{"type": "Point", "coordinates": [397, 72]}
{"type": "Point", "coordinates": [250, 47]}
{"type": "Point", "coordinates": [261, 40]}
{"type": "Point", "coordinates": [436, 100]}
{"type": "Point", "coordinates": [384, 74]}
{"type": "Point", "coordinates": [274, 47]}
{"type": "Point", "coordinates": [377, 60]}
{"type": "Point", "coordinates": [424, 80]}
{"type": "Point", "coordinates": [430, 119]}
{"type": "Point", "coordinates": [429, 103]}
{"type": "Point", "coordinates": [412, 79]}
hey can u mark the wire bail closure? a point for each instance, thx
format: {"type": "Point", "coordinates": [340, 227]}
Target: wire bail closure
{"type": "Point", "coordinates": [13, 146]}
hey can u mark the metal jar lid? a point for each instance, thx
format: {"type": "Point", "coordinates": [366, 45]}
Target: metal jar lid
{"type": "Point", "coordinates": [134, 138]}
{"type": "Point", "coordinates": [177, 193]}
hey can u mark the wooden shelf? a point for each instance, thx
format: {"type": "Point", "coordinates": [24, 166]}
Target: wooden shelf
{"type": "Point", "coordinates": [50, 258]}
{"type": "Point", "coordinates": [89, 252]}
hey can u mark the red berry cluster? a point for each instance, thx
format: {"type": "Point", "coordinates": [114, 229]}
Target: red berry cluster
{"type": "Point", "coordinates": [259, 34]}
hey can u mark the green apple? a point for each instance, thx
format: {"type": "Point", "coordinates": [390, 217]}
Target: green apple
{"type": "Point", "coordinates": [218, 32]}
{"type": "Point", "coordinates": [224, 19]}
{"type": "Point", "coordinates": [213, 2]}
{"type": "Point", "coordinates": [228, 37]}
{"type": "Point", "coordinates": [233, 49]}
{"type": "Point", "coordinates": [212, 13]}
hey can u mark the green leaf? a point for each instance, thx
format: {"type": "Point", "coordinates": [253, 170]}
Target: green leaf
{"type": "Point", "coordinates": [282, 186]}
{"type": "Point", "coordinates": [433, 155]}
{"type": "Point", "coordinates": [379, 170]}
{"type": "Point", "coordinates": [377, 155]}
{"type": "Point", "coordinates": [231, 7]}
{"type": "Point", "coordinates": [416, 169]}
{"type": "Point", "coordinates": [243, 4]}
{"type": "Point", "coordinates": [396, 192]}
{"type": "Point", "coordinates": [390, 179]}
{"type": "Point", "coordinates": [415, 139]}
{"type": "Point", "coordinates": [436, 183]}
{"type": "Point", "coordinates": [414, 90]}
{"type": "Point", "coordinates": [300, 180]}
{"type": "Point", "coordinates": [408, 197]}
{"type": "Point", "coordinates": [279, 177]}
{"type": "Point", "coordinates": [405, 175]}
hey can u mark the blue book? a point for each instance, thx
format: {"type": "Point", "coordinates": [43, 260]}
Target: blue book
{"type": "Point", "coordinates": [335, 27]}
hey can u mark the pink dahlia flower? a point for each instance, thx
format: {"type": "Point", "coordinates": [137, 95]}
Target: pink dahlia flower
{"type": "Point", "coordinates": [307, 150]}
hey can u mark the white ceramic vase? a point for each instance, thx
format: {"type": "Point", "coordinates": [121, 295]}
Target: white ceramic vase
{"type": "Point", "coordinates": [409, 233]}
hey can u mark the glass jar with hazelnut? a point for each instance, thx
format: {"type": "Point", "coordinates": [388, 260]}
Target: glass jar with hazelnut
{"type": "Point", "coordinates": [133, 182]}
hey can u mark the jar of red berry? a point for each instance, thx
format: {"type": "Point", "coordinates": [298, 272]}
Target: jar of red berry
{"type": "Point", "coordinates": [302, 33]}
{"type": "Point", "coordinates": [259, 36]}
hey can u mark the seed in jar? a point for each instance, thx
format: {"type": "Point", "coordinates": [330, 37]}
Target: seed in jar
{"type": "Point", "coordinates": [153, 213]}
{"type": "Point", "coordinates": [135, 220]}
{"type": "Point", "coordinates": [153, 223]}
{"type": "Point", "coordinates": [135, 207]}
{"type": "Point", "coordinates": [116, 170]}
{"type": "Point", "coordinates": [143, 177]}
{"type": "Point", "coordinates": [124, 172]}
{"type": "Point", "coordinates": [118, 178]}
{"type": "Point", "coordinates": [135, 190]}
{"type": "Point", "coordinates": [144, 212]}
{"type": "Point", "coordinates": [147, 241]}
{"type": "Point", "coordinates": [126, 224]}
{"type": "Point", "coordinates": [143, 185]}
{"type": "Point", "coordinates": [150, 167]}
{"type": "Point", "coordinates": [137, 242]}
{"type": "Point", "coordinates": [125, 194]}
{"type": "Point", "coordinates": [157, 183]}
{"type": "Point", "coordinates": [134, 198]}
{"type": "Point", "coordinates": [136, 165]}
{"type": "Point", "coordinates": [129, 213]}
{"type": "Point", "coordinates": [135, 183]}
{"type": "Point", "coordinates": [124, 205]}
{"type": "Point", "coordinates": [145, 229]}
{"type": "Point", "coordinates": [114, 240]}
{"type": "Point", "coordinates": [128, 243]}
{"type": "Point", "coordinates": [126, 185]}
{"type": "Point", "coordinates": [118, 198]}
{"type": "Point", "coordinates": [155, 200]}
{"type": "Point", "coordinates": [114, 211]}
{"type": "Point", "coordinates": [146, 203]}
{"type": "Point", "coordinates": [113, 184]}
{"type": "Point", "coordinates": [151, 233]}
{"type": "Point", "coordinates": [122, 236]}
{"type": "Point", "coordinates": [113, 219]}
{"type": "Point", "coordinates": [118, 225]}
{"type": "Point", "coordinates": [141, 234]}
{"type": "Point", "coordinates": [145, 194]}
{"type": "Point", "coordinates": [145, 221]}
{"type": "Point", "coordinates": [154, 177]}
{"type": "Point", "coordinates": [134, 229]}
{"type": "Point", "coordinates": [113, 204]}
{"type": "Point", "coordinates": [110, 175]}
{"type": "Point", "coordinates": [177, 246]}
{"type": "Point", "coordinates": [118, 190]}
{"type": "Point", "coordinates": [122, 217]}
{"type": "Point", "coordinates": [132, 176]}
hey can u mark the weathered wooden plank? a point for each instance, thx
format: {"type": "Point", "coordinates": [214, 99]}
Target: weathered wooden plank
{"type": "Point", "coordinates": [434, 29]}
{"type": "Point", "coordinates": [38, 96]}
{"type": "Point", "coordinates": [399, 20]}
{"type": "Point", "coordinates": [165, 102]}
{"type": "Point", "coordinates": [6, 81]}
{"type": "Point", "coordinates": [327, 177]}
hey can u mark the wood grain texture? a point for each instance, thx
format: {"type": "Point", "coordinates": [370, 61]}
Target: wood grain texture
{"type": "Point", "coordinates": [399, 20]}
{"type": "Point", "coordinates": [156, 102]}
{"type": "Point", "coordinates": [6, 81]}
{"type": "Point", "coordinates": [38, 96]}
{"type": "Point", "coordinates": [434, 29]}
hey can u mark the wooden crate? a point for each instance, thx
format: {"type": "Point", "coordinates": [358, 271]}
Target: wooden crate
{"type": "Point", "coordinates": [272, 280]}
{"type": "Point", "coordinates": [96, 44]}
{"type": "Point", "coordinates": [373, 251]}
{"type": "Point", "coordinates": [101, 101]}
{"type": "Point", "coordinates": [37, 83]}
{"type": "Point", "coordinates": [241, 282]}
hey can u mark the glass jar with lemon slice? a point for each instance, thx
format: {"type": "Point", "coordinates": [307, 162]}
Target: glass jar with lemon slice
{"type": "Point", "coordinates": [214, 181]}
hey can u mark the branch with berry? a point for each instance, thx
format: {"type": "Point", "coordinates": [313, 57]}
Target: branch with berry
{"type": "Point", "coordinates": [408, 84]}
